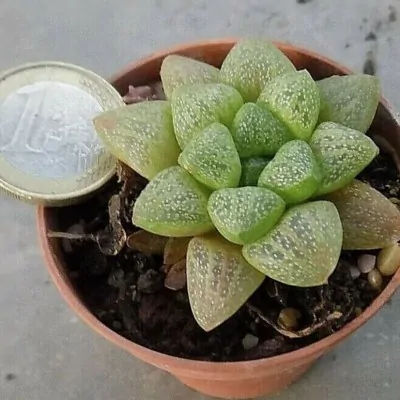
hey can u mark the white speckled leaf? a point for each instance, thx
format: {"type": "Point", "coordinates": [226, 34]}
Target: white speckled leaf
{"type": "Point", "coordinates": [294, 99]}
{"type": "Point", "coordinates": [370, 221]}
{"type": "Point", "coordinates": [211, 157]}
{"type": "Point", "coordinates": [293, 173]}
{"type": "Point", "coordinates": [140, 135]}
{"type": "Point", "coordinates": [219, 280]}
{"type": "Point", "coordinates": [251, 65]}
{"type": "Point", "coordinates": [256, 132]}
{"type": "Point", "coordinates": [342, 154]}
{"type": "Point", "coordinates": [303, 249]}
{"type": "Point", "coordinates": [243, 215]}
{"type": "Point", "coordinates": [251, 170]}
{"type": "Point", "coordinates": [173, 204]}
{"type": "Point", "coordinates": [178, 71]}
{"type": "Point", "coordinates": [349, 100]}
{"type": "Point", "coordinates": [194, 107]}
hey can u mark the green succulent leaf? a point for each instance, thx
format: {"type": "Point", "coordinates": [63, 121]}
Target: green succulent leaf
{"type": "Point", "coordinates": [219, 280]}
{"type": "Point", "coordinates": [293, 173]}
{"type": "Point", "coordinates": [251, 65]}
{"type": "Point", "coordinates": [141, 136]}
{"type": "Point", "coordinates": [178, 71]}
{"type": "Point", "coordinates": [211, 157]}
{"type": "Point", "coordinates": [243, 215]}
{"type": "Point", "coordinates": [194, 107]}
{"type": "Point", "coordinates": [350, 100]}
{"type": "Point", "coordinates": [173, 204]}
{"type": "Point", "coordinates": [342, 154]}
{"type": "Point", "coordinates": [370, 221]}
{"type": "Point", "coordinates": [251, 170]}
{"type": "Point", "coordinates": [294, 99]}
{"type": "Point", "coordinates": [303, 248]}
{"type": "Point", "coordinates": [256, 132]}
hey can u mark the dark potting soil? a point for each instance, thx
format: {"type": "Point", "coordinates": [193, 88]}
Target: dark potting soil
{"type": "Point", "coordinates": [126, 291]}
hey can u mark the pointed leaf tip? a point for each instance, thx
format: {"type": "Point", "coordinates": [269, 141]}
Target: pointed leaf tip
{"type": "Point", "coordinates": [212, 159]}
{"type": "Point", "coordinates": [256, 132]}
{"type": "Point", "coordinates": [173, 204]}
{"type": "Point", "coordinates": [370, 220]}
{"type": "Point", "coordinates": [195, 107]}
{"type": "Point", "coordinates": [141, 136]}
{"type": "Point", "coordinates": [342, 154]}
{"type": "Point", "coordinates": [350, 100]}
{"type": "Point", "coordinates": [293, 173]}
{"type": "Point", "coordinates": [219, 280]}
{"type": "Point", "coordinates": [243, 215]}
{"type": "Point", "coordinates": [251, 65]}
{"type": "Point", "coordinates": [294, 99]}
{"type": "Point", "coordinates": [303, 248]}
{"type": "Point", "coordinates": [177, 70]}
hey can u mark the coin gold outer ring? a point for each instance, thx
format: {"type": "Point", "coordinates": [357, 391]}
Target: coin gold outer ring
{"type": "Point", "coordinates": [70, 190]}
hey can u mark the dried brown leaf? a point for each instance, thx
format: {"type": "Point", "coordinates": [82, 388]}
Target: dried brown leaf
{"type": "Point", "coordinates": [146, 242]}
{"type": "Point", "coordinates": [175, 249]}
{"type": "Point", "coordinates": [176, 276]}
{"type": "Point", "coordinates": [112, 240]}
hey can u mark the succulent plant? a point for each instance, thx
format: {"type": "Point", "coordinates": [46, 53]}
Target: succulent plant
{"type": "Point", "coordinates": [252, 169]}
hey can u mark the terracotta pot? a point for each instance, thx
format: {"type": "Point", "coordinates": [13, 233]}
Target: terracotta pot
{"type": "Point", "coordinates": [224, 379]}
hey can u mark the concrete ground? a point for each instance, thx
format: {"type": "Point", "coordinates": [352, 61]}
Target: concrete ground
{"type": "Point", "coordinates": [46, 353]}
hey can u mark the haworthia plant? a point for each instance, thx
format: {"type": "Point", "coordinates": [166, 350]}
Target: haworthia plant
{"type": "Point", "coordinates": [253, 124]}
{"type": "Point", "coordinates": [138, 134]}
{"type": "Point", "coordinates": [178, 71]}
{"type": "Point", "coordinates": [349, 100]}
{"type": "Point", "coordinates": [243, 215]}
{"type": "Point", "coordinates": [219, 279]}
{"type": "Point", "coordinates": [369, 219]}
{"type": "Point", "coordinates": [294, 99]}
{"type": "Point", "coordinates": [251, 170]}
{"type": "Point", "coordinates": [257, 132]}
{"type": "Point", "coordinates": [211, 158]}
{"type": "Point", "coordinates": [303, 248]}
{"type": "Point", "coordinates": [293, 173]}
{"type": "Point", "coordinates": [251, 65]}
{"type": "Point", "coordinates": [173, 204]}
{"type": "Point", "coordinates": [342, 154]}
{"type": "Point", "coordinates": [194, 107]}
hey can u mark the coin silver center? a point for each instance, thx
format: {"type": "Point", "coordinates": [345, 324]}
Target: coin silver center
{"type": "Point", "coordinates": [46, 130]}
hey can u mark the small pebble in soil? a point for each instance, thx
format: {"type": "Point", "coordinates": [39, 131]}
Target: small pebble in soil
{"type": "Point", "coordinates": [117, 325]}
{"type": "Point", "coordinates": [10, 377]}
{"type": "Point", "coordinates": [388, 261]}
{"type": "Point", "coordinates": [289, 318]}
{"type": "Point", "coordinates": [250, 341]}
{"type": "Point", "coordinates": [358, 311]}
{"type": "Point", "coordinates": [375, 280]}
{"type": "Point", "coordinates": [366, 263]}
{"type": "Point", "coordinates": [354, 272]}
{"type": "Point", "coordinates": [150, 282]}
{"type": "Point", "coordinates": [116, 278]}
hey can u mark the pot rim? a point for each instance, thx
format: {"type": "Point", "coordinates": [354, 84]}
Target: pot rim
{"type": "Point", "coordinates": [168, 362]}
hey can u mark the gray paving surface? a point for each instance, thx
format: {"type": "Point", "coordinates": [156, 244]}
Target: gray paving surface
{"type": "Point", "coordinates": [45, 352]}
